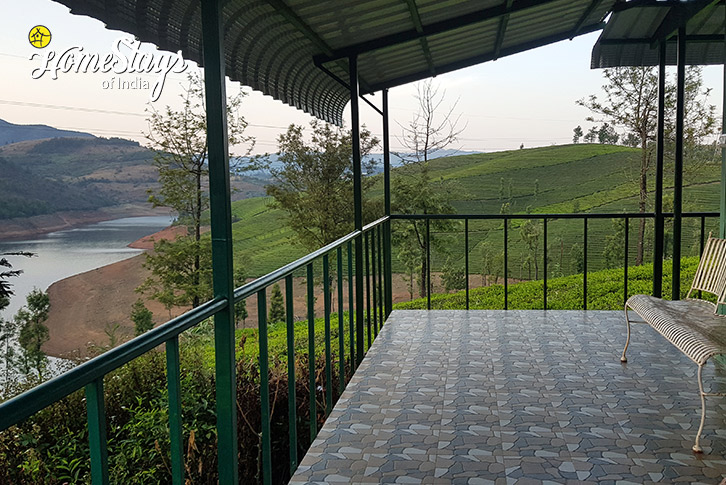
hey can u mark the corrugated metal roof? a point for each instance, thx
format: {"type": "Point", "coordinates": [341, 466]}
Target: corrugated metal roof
{"type": "Point", "coordinates": [279, 46]}
{"type": "Point", "coordinates": [634, 29]}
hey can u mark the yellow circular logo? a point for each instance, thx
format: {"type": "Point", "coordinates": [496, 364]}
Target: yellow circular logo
{"type": "Point", "coordinates": [39, 36]}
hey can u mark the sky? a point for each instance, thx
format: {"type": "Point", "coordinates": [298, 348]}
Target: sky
{"type": "Point", "coordinates": [528, 98]}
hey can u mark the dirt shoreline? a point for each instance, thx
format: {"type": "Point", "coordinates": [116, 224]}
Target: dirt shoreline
{"type": "Point", "coordinates": [89, 309]}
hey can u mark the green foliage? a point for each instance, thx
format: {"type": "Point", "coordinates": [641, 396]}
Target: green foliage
{"type": "Point", "coordinates": [604, 291]}
{"type": "Point", "coordinates": [142, 317]}
{"type": "Point", "coordinates": [614, 252]}
{"type": "Point", "coordinates": [174, 279]}
{"type": "Point", "coordinates": [453, 276]}
{"type": "Point", "coordinates": [33, 333]}
{"type": "Point", "coordinates": [277, 305]}
{"type": "Point", "coordinates": [314, 186]}
{"type": "Point", "coordinates": [179, 139]}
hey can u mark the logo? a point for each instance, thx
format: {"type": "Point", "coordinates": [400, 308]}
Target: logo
{"type": "Point", "coordinates": [126, 57]}
{"type": "Point", "coordinates": [39, 36]}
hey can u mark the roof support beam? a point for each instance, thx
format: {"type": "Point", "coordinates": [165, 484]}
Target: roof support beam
{"type": "Point", "coordinates": [486, 57]}
{"type": "Point", "coordinates": [503, 21]}
{"type": "Point", "coordinates": [281, 7]}
{"type": "Point", "coordinates": [434, 28]}
{"type": "Point", "coordinates": [676, 18]}
{"type": "Point", "coordinates": [585, 15]}
{"type": "Point", "coordinates": [416, 19]}
{"type": "Point", "coordinates": [691, 39]}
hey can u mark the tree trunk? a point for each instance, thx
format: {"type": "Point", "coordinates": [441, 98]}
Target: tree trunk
{"type": "Point", "coordinates": [197, 238]}
{"type": "Point", "coordinates": [642, 200]}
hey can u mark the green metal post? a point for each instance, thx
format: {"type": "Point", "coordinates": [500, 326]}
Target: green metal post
{"type": "Point", "coordinates": [374, 278]}
{"type": "Point", "coordinates": [97, 432]}
{"type": "Point", "coordinates": [379, 252]}
{"type": "Point", "coordinates": [722, 213]}
{"type": "Point", "coordinates": [678, 176]}
{"type": "Point", "coordinates": [722, 217]}
{"type": "Point", "coordinates": [311, 353]}
{"type": "Point", "coordinates": [173, 383]}
{"type": "Point", "coordinates": [328, 350]}
{"type": "Point", "coordinates": [341, 326]}
{"type": "Point", "coordinates": [428, 264]}
{"type": "Point", "coordinates": [291, 394]}
{"type": "Point", "coordinates": [466, 259]}
{"type": "Point", "coordinates": [351, 311]}
{"type": "Point", "coordinates": [660, 150]}
{"type": "Point", "coordinates": [221, 222]}
{"type": "Point", "coordinates": [368, 289]}
{"type": "Point", "coordinates": [357, 204]}
{"type": "Point", "coordinates": [387, 264]}
{"type": "Point", "coordinates": [264, 387]}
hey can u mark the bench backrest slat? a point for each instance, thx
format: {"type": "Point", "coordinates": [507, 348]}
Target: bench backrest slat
{"type": "Point", "coordinates": [711, 273]}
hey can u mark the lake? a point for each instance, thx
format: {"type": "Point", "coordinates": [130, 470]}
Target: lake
{"type": "Point", "coordinates": [69, 252]}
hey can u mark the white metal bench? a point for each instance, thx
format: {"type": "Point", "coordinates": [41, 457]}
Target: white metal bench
{"type": "Point", "coordinates": [691, 325]}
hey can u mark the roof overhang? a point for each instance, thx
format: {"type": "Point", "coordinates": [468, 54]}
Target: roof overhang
{"type": "Point", "coordinates": [636, 28]}
{"type": "Point", "coordinates": [297, 50]}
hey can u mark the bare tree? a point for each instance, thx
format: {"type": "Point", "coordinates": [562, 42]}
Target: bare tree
{"type": "Point", "coordinates": [431, 130]}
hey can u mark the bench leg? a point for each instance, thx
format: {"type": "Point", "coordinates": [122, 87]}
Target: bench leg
{"type": "Point", "coordinates": [623, 358]}
{"type": "Point", "coordinates": [697, 446]}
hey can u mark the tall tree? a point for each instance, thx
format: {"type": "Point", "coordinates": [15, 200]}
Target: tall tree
{"type": "Point", "coordinates": [179, 140]}
{"type": "Point", "coordinates": [277, 305]}
{"type": "Point", "coordinates": [431, 130]}
{"type": "Point", "coordinates": [33, 334]}
{"type": "Point", "coordinates": [142, 317]}
{"type": "Point", "coordinates": [631, 104]}
{"type": "Point", "coordinates": [314, 182]}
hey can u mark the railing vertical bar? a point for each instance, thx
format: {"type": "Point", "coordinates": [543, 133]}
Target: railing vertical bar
{"type": "Point", "coordinates": [351, 311]}
{"type": "Point", "coordinates": [388, 270]}
{"type": "Point", "coordinates": [544, 266]}
{"type": "Point", "coordinates": [701, 243]}
{"type": "Point", "coordinates": [173, 382]}
{"type": "Point", "coordinates": [381, 289]}
{"type": "Point", "coordinates": [625, 262]}
{"type": "Point", "coordinates": [428, 264]}
{"type": "Point", "coordinates": [97, 432]}
{"type": "Point", "coordinates": [328, 352]}
{"type": "Point", "coordinates": [291, 392]}
{"type": "Point", "coordinates": [374, 278]}
{"type": "Point", "coordinates": [506, 263]}
{"type": "Point", "coordinates": [264, 387]}
{"type": "Point", "coordinates": [341, 322]}
{"type": "Point", "coordinates": [466, 259]}
{"type": "Point", "coordinates": [367, 266]}
{"type": "Point", "coordinates": [311, 353]}
{"type": "Point", "coordinates": [584, 265]}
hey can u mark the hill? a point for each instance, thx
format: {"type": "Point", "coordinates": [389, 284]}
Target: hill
{"type": "Point", "coordinates": [12, 133]}
{"type": "Point", "coordinates": [584, 178]}
{"type": "Point", "coordinates": [72, 176]}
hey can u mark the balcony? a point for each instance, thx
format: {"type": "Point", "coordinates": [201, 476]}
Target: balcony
{"type": "Point", "coordinates": [487, 396]}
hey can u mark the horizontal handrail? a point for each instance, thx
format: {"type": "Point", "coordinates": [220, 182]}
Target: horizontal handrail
{"type": "Point", "coordinates": [581, 215]}
{"type": "Point", "coordinates": [262, 282]}
{"type": "Point", "coordinates": [33, 400]}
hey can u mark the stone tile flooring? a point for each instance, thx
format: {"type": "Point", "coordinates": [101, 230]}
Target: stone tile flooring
{"type": "Point", "coordinates": [489, 396]}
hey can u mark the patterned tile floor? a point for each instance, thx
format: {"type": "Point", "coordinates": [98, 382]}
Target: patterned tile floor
{"type": "Point", "coordinates": [477, 397]}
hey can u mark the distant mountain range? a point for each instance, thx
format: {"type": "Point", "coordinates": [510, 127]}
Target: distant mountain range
{"type": "Point", "coordinates": [12, 133]}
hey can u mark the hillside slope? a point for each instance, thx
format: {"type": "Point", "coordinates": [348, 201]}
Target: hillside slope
{"type": "Point", "coordinates": [13, 133]}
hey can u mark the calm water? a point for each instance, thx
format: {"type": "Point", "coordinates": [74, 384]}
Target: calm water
{"type": "Point", "coordinates": [66, 253]}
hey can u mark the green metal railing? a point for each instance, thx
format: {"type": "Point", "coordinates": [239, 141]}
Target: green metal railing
{"type": "Point", "coordinates": [90, 375]}
{"type": "Point", "coordinates": [545, 220]}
